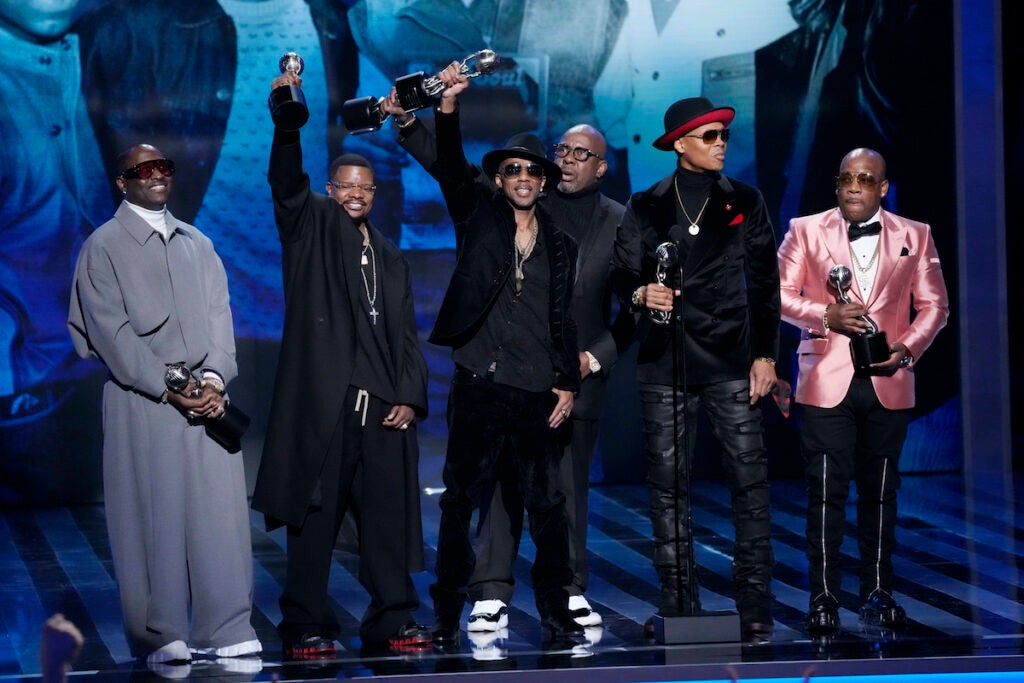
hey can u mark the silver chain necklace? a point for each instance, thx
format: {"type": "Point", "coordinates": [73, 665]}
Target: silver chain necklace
{"type": "Point", "coordinates": [371, 298]}
{"type": "Point", "coordinates": [521, 255]}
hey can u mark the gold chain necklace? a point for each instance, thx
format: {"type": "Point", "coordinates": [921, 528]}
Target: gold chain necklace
{"type": "Point", "coordinates": [521, 255]}
{"type": "Point", "coordinates": [694, 224]}
{"type": "Point", "coordinates": [856, 261]}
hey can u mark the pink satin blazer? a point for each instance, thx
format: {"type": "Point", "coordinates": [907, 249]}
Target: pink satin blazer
{"type": "Point", "coordinates": [909, 274]}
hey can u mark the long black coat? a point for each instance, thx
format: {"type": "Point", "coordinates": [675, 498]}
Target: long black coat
{"type": "Point", "coordinates": [322, 286]}
{"type": "Point", "coordinates": [485, 250]}
{"type": "Point", "coordinates": [730, 286]}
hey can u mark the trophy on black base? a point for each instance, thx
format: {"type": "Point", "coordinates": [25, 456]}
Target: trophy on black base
{"type": "Point", "coordinates": [667, 254]}
{"type": "Point", "coordinates": [867, 347]}
{"type": "Point", "coordinates": [287, 103]}
{"type": "Point", "coordinates": [228, 428]}
{"type": "Point", "coordinates": [415, 91]}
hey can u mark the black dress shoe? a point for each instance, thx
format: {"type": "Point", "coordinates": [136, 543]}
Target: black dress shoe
{"type": "Point", "coordinates": [560, 627]}
{"type": "Point", "coordinates": [823, 618]}
{"type": "Point", "coordinates": [881, 609]}
{"type": "Point", "coordinates": [309, 646]}
{"type": "Point", "coordinates": [445, 633]}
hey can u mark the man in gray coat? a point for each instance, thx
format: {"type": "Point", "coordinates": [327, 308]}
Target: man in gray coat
{"type": "Point", "coordinates": [150, 292]}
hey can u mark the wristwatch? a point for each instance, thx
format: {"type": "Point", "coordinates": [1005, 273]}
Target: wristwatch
{"type": "Point", "coordinates": [907, 360]}
{"type": "Point", "coordinates": [635, 299]}
{"type": "Point", "coordinates": [595, 366]}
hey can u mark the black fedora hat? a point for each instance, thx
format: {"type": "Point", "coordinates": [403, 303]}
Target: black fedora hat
{"type": "Point", "coordinates": [685, 115]}
{"type": "Point", "coordinates": [522, 146]}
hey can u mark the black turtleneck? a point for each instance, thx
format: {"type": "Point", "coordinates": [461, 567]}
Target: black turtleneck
{"type": "Point", "coordinates": [576, 210]}
{"type": "Point", "coordinates": [693, 187]}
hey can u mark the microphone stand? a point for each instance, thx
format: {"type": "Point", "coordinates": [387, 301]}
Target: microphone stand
{"type": "Point", "coordinates": [692, 625]}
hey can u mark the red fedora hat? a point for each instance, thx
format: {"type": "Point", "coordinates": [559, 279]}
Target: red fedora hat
{"type": "Point", "coordinates": [686, 115]}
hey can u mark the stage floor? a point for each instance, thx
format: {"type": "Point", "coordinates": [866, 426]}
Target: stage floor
{"type": "Point", "coordinates": [958, 564]}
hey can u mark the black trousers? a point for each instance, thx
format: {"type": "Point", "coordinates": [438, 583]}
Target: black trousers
{"type": "Point", "coordinates": [359, 473]}
{"type": "Point", "coordinates": [737, 425]}
{"type": "Point", "coordinates": [859, 440]}
{"type": "Point", "coordinates": [492, 427]}
{"type": "Point", "coordinates": [501, 520]}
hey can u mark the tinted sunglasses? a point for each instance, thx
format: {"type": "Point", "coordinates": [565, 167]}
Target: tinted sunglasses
{"type": "Point", "coordinates": [863, 179]}
{"type": "Point", "coordinates": [144, 170]}
{"type": "Point", "coordinates": [709, 136]}
{"type": "Point", "coordinates": [578, 153]}
{"type": "Point", "coordinates": [514, 169]}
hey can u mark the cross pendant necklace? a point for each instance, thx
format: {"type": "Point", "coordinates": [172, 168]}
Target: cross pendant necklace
{"type": "Point", "coordinates": [371, 296]}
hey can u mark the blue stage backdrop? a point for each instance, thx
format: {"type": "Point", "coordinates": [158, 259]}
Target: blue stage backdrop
{"type": "Point", "coordinates": [84, 79]}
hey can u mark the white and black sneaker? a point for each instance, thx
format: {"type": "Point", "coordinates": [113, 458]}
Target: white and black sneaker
{"type": "Point", "coordinates": [488, 615]}
{"type": "Point", "coordinates": [581, 611]}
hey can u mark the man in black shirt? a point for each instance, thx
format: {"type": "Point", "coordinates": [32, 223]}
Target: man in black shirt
{"type": "Point", "coordinates": [506, 315]}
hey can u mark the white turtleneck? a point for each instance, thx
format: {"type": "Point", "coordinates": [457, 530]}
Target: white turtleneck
{"type": "Point", "coordinates": [156, 219]}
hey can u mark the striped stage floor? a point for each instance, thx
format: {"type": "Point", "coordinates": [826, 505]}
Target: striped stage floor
{"type": "Point", "coordinates": [959, 563]}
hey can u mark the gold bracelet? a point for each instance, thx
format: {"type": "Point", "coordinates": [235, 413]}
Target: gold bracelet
{"type": "Point", "coordinates": [824, 318]}
{"type": "Point", "coordinates": [407, 122]}
{"type": "Point", "coordinates": [766, 359]}
{"type": "Point", "coordinates": [636, 298]}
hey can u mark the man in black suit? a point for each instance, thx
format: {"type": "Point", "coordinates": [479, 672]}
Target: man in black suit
{"type": "Point", "coordinates": [507, 316]}
{"type": "Point", "coordinates": [351, 383]}
{"type": "Point", "coordinates": [716, 347]}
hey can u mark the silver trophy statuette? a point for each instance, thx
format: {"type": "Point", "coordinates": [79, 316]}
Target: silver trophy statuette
{"type": "Point", "coordinates": [866, 347]}
{"type": "Point", "coordinates": [177, 378]}
{"type": "Point", "coordinates": [287, 103]}
{"type": "Point", "coordinates": [415, 91]}
{"type": "Point", "coordinates": [667, 254]}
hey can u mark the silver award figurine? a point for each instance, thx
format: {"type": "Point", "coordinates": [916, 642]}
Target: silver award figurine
{"type": "Point", "coordinates": [667, 254]}
{"type": "Point", "coordinates": [226, 429]}
{"type": "Point", "coordinates": [287, 103]}
{"type": "Point", "coordinates": [866, 347]}
{"type": "Point", "coordinates": [415, 91]}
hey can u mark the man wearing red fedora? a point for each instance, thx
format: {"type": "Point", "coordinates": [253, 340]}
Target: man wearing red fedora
{"type": "Point", "coordinates": [709, 336]}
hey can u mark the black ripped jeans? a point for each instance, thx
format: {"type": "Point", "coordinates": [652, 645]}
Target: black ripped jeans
{"type": "Point", "coordinates": [737, 425]}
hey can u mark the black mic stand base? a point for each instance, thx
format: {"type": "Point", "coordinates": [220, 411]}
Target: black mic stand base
{"type": "Point", "coordinates": [702, 627]}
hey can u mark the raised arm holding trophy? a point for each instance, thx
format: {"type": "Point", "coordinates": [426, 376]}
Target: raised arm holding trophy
{"type": "Point", "coordinates": [415, 91]}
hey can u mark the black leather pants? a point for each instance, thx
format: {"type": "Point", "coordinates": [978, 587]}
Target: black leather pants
{"type": "Point", "coordinates": [737, 425]}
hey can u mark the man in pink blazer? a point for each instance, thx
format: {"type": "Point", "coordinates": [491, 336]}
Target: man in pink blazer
{"type": "Point", "coordinates": [854, 420]}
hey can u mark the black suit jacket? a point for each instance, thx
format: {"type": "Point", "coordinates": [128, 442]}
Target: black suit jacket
{"type": "Point", "coordinates": [485, 249]}
{"type": "Point", "coordinates": [730, 282]}
{"type": "Point", "coordinates": [323, 288]}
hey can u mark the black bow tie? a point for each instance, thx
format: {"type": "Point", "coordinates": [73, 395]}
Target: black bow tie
{"type": "Point", "coordinates": [862, 230]}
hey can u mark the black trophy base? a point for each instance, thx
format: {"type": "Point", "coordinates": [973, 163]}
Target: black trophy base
{"type": "Point", "coordinates": [703, 627]}
{"type": "Point", "coordinates": [228, 429]}
{"type": "Point", "coordinates": [412, 93]}
{"type": "Point", "coordinates": [869, 348]}
{"type": "Point", "coordinates": [362, 115]}
{"type": "Point", "coordinates": [288, 107]}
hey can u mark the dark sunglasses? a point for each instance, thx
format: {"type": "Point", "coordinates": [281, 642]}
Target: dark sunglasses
{"type": "Point", "coordinates": [709, 136]}
{"type": "Point", "coordinates": [513, 170]}
{"type": "Point", "coordinates": [863, 179]}
{"type": "Point", "coordinates": [578, 153]}
{"type": "Point", "coordinates": [144, 170]}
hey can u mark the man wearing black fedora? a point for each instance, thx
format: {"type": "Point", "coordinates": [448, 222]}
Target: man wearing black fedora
{"type": "Point", "coordinates": [507, 317]}
{"type": "Point", "coordinates": [709, 336]}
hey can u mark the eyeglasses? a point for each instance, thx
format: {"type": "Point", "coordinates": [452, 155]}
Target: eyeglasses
{"type": "Point", "coordinates": [578, 153]}
{"type": "Point", "coordinates": [144, 170]}
{"type": "Point", "coordinates": [863, 179]}
{"type": "Point", "coordinates": [345, 187]}
{"type": "Point", "coordinates": [514, 169]}
{"type": "Point", "coordinates": [709, 136]}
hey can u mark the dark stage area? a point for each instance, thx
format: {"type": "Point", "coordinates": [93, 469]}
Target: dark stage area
{"type": "Point", "coordinates": [958, 565]}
